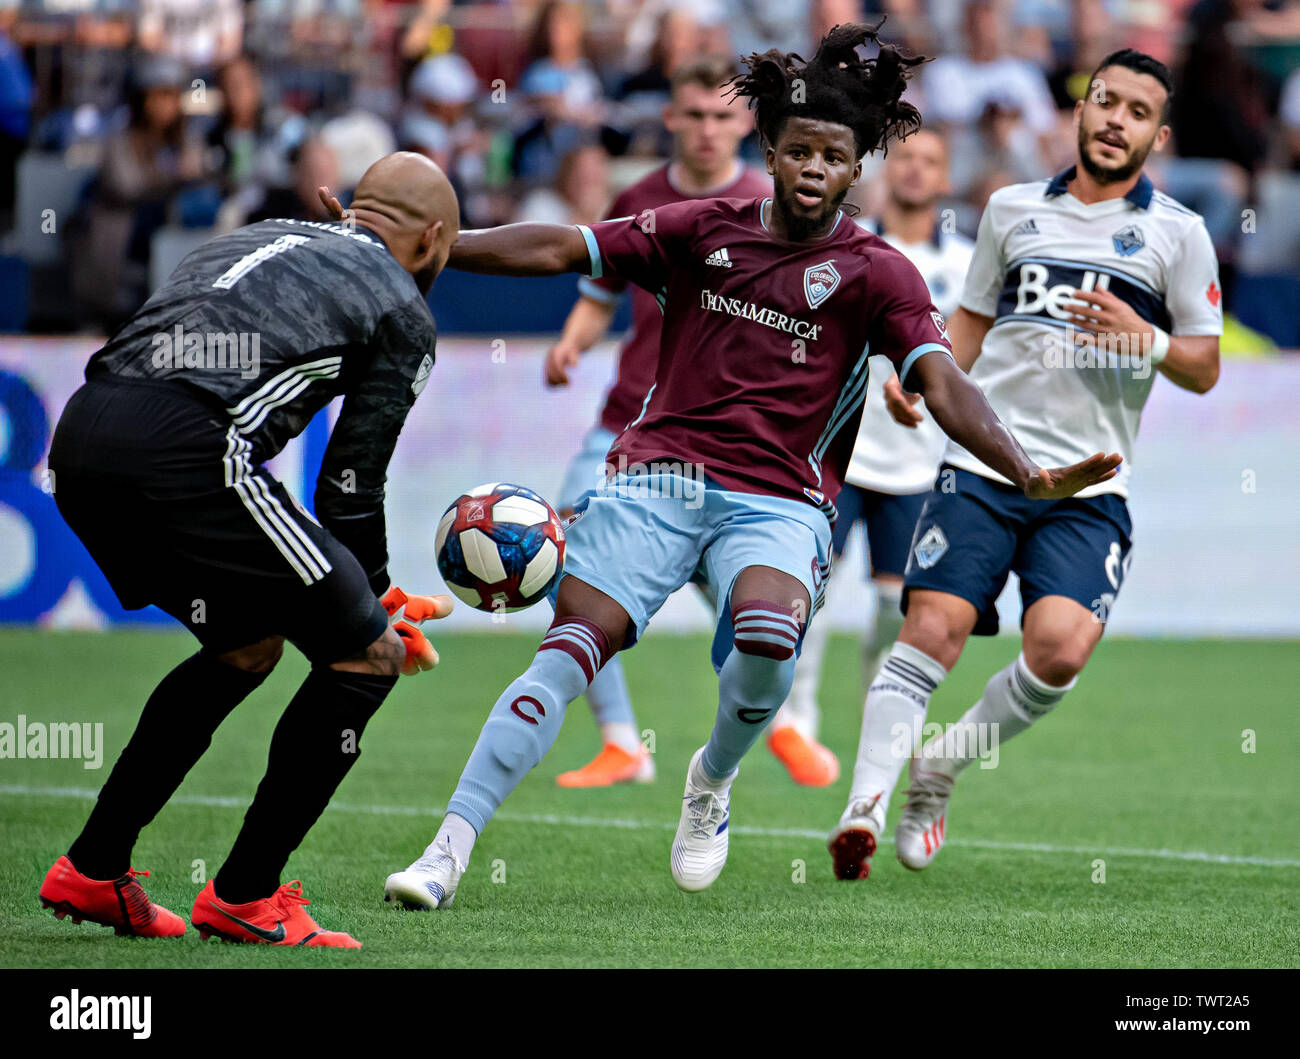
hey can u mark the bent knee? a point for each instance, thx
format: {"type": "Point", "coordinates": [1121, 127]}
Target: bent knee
{"type": "Point", "coordinates": [761, 627]}
{"type": "Point", "coordinates": [1056, 661]}
{"type": "Point", "coordinates": [938, 630]}
{"type": "Point", "coordinates": [260, 657]}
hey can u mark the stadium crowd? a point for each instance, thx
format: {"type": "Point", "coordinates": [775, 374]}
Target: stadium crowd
{"type": "Point", "coordinates": [132, 129]}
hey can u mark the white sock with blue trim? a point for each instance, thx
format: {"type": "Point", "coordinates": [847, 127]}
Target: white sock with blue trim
{"type": "Point", "coordinates": [891, 721]}
{"type": "Point", "coordinates": [1013, 699]}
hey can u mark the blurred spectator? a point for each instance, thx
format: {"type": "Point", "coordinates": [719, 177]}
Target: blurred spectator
{"type": "Point", "coordinates": [313, 165]}
{"type": "Point", "coordinates": [1092, 37]}
{"type": "Point", "coordinates": [645, 93]}
{"type": "Point", "coordinates": [428, 31]}
{"type": "Point", "coordinates": [646, 27]}
{"type": "Point", "coordinates": [580, 194]}
{"type": "Point", "coordinates": [144, 166]}
{"type": "Point", "coordinates": [15, 121]}
{"type": "Point", "coordinates": [437, 119]}
{"type": "Point", "coordinates": [203, 34]}
{"type": "Point", "coordinates": [563, 91]}
{"type": "Point", "coordinates": [960, 88]}
{"type": "Point", "coordinates": [1220, 117]}
{"type": "Point", "coordinates": [996, 108]}
{"type": "Point", "coordinates": [358, 139]}
{"type": "Point", "coordinates": [757, 25]}
{"type": "Point", "coordinates": [1220, 105]}
{"type": "Point", "coordinates": [559, 79]}
{"type": "Point", "coordinates": [240, 136]}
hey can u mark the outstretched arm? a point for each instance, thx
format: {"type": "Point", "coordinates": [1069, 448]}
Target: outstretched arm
{"type": "Point", "coordinates": [959, 407]}
{"type": "Point", "coordinates": [522, 250]}
{"type": "Point", "coordinates": [510, 250]}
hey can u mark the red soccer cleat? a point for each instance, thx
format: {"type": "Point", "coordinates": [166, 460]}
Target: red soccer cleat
{"type": "Point", "coordinates": [118, 903]}
{"type": "Point", "coordinates": [280, 919]}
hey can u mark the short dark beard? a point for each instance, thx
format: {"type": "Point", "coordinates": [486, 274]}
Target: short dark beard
{"type": "Point", "coordinates": [800, 227]}
{"type": "Point", "coordinates": [1136, 160]}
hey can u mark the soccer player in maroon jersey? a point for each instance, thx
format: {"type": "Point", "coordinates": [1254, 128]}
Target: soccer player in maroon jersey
{"type": "Point", "coordinates": [728, 473]}
{"type": "Point", "coordinates": [707, 130]}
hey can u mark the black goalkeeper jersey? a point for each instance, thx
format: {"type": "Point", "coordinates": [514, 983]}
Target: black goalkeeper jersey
{"type": "Point", "coordinates": [273, 321]}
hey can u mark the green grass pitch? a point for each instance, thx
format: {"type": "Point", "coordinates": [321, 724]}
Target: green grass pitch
{"type": "Point", "coordinates": [1142, 767]}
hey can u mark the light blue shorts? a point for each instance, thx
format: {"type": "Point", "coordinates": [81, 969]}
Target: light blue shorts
{"type": "Point", "coordinates": [642, 537]}
{"type": "Point", "coordinates": [587, 468]}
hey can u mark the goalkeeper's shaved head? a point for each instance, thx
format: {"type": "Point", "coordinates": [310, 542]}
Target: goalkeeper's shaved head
{"type": "Point", "coordinates": [407, 201]}
{"type": "Point", "coordinates": [409, 189]}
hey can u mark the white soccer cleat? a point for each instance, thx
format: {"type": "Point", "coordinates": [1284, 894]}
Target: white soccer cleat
{"type": "Point", "coordinates": [855, 838]}
{"type": "Point", "coordinates": [920, 830]}
{"type": "Point", "coordinates": [429, 883]}
{"type": "Point", "coordinates": [700, 845]}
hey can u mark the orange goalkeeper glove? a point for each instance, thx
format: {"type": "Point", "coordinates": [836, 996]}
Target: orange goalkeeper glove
{"type": "Point", "coordinates": [420, 655]}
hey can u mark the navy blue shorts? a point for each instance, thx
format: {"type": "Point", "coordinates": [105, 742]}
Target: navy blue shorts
{"type": "Point", "coordinates": [889, 519]}
{"type": "Point", "coordinates": [974, 531]}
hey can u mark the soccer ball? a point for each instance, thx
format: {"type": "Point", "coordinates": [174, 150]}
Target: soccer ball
{"type": "Point", "coordinates": [500, 547]}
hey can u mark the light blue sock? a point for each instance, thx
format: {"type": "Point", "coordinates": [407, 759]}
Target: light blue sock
{"type": "Point", "coordinates": [751, 689]}
{"type": "Point", "coordinates": [526, 719]}
{"type": "Point", "coordinates": [608, 698]}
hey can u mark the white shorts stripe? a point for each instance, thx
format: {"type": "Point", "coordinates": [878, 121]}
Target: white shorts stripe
{"type": "Point", "coordinates": [288, 537]}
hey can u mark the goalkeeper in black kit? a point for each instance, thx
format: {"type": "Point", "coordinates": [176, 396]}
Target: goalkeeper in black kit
{"type": "Point", "coordinates": [157, 466]}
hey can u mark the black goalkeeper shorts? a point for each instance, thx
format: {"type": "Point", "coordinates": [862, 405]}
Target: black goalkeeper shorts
{"type": "Point", "coordinates": [164, 494]}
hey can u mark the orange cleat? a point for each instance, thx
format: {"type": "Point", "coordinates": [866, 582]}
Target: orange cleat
{"type": "Point", "coordinates": [808, 762]}
{"type": "Point", "coordinates": [612, 765]}
{"type": "Point", "coordinates": [280, 919]}
{"type": "Point", "coordinates": [118, 903]}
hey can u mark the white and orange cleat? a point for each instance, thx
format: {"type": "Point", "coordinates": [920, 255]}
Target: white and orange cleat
{"type": "Point", "coordinates": [612, 765]}
{"type": "Point", "coordinates": [920, 831]}
{"type": "Point", "coordinates": [809, 763]}
{"type": "Point", "coordinates": [853, 842]}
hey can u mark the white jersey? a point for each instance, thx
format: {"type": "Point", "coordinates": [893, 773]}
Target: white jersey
{"type": "Point", "coordinates": [1064, 393]}
{"type": "Point", "coordinates": [887, 457]}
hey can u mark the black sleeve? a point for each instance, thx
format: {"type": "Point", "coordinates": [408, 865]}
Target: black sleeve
{"type": "Point", "coordinates": [350, 489]}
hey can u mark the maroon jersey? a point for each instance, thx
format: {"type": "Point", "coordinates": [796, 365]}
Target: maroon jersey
{"type": "Point", "coordinates": [639, 352]}
{"type": "Point", "coordinates": [762, 366]}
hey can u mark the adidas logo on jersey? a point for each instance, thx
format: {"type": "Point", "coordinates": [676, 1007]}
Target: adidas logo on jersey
{"type": "Point", "coordinates": [720, 258]}
{"type": "Point", "coordinates": [1026, 227]}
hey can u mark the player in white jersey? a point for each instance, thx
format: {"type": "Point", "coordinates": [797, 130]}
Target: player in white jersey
{"type": "Point", "coordinates": [893, 466]}
{"type": "Point", "coordinates": [1080, 288]}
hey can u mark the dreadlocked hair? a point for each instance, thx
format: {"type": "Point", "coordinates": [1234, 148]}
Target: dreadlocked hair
{"type": "Point", "coordinates": [838, 85]}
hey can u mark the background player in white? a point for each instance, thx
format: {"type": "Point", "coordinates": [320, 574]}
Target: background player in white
{"type": "Point", "coordinates": [893, 464]}
{"type": "Point", "coordinates": [707, 130]}
{"type": "Point", "coordinates": [1070, 277]}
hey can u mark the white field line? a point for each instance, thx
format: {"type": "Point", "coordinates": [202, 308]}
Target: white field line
{"type": "Point", "coordinates": [596, 822]}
